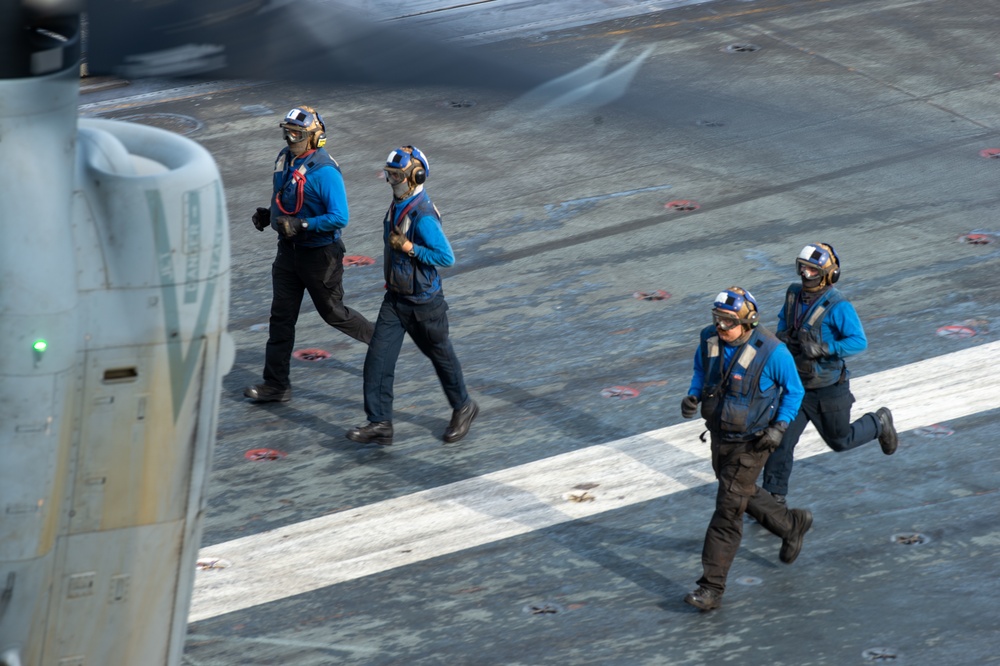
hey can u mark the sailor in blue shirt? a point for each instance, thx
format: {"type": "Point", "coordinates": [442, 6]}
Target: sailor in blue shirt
{"type": "Point", "coordinates": [746, 382]}
{"type": "Point", "coordinates": [415, 246]}
{"type": "Point", "coordinates": [308, 210]}
{"type": "Point", "coordinates": [821, 329]}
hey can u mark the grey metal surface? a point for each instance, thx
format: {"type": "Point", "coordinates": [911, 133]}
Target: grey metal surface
{"type": "Point", "coordinates": [855, 123]}
{"type": "Point", "coordinates": [117, 260]}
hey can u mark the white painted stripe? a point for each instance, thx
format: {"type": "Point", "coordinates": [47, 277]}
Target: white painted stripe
{"type": "Point", "coordinates": [360, 542]}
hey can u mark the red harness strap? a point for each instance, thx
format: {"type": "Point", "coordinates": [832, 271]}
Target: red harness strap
{"type": "Point", "coordinates": [405, 212]}
{"type": "Point", "coordinates": [299, 177]}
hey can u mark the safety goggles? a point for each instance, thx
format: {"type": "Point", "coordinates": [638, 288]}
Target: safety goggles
{"type": "Point", "coordinates": [724, 323]}
{"type": "Point", "coordinates": [394, 176]}
{"type": "Point", "coordinates": [293, 136]}
{"type": "Point", "coordinates": [808, 271]}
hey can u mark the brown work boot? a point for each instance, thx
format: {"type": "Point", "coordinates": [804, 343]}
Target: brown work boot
{"type": "Point", "coordinates": [791, 545]}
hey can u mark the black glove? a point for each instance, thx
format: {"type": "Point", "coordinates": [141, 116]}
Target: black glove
{"type": "Point", "coordinates": [262, 218]}
{"type": "Point", "coordinates": [813, 349]}
{"type": "Point", "coordinates": [689, 406]}
{"type": "Point", "coordinates": [770, 439]}
{"type": "Point", "coordinates": [782, 335]}
{"type": "Point", "coordinates": [289, 226]}
{"type": "Point", "coordinates": [793, 344]}
{"type": "Point", "coordinates": [397, 241]}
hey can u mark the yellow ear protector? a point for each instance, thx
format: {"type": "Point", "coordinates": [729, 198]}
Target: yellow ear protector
{"type": "Point", "coordinates": [307, 120]}
{"type": "Point", "coordinates": [753, 317]}
{"type": "Point", "coordinates": [321, 138]}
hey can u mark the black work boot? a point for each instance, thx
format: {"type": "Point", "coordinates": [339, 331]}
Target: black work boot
{"type": "Point", "coordinates": [703, 599]}
{"type": "Point", "coordinates": [887, 437]}
{"type": "Point", "coordinates": [379, 432]}
{"type": "Point", "coordinates": [461, 419]}
{"type": "Point", "coordinates": [791, 545]}
{"type": "Point", "coordinates": [267, 393]}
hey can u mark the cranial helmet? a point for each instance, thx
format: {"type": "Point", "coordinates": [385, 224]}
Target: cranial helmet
{"type": "Point", "coordinates": [304, 122]}
{"type": "Point", "coordinates": [737, 305]}
{"type": "Point", "coordinates": [818, 265]}
{"type": "Point", "coordinates": [407, 164]}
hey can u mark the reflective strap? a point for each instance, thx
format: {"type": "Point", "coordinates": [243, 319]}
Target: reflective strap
{"type": "Point", "coordinates": [747, 357]}
{"type": "Point", "coordinates": [820, 309]}
{"type": "Point", "coordinates": [713, 346]}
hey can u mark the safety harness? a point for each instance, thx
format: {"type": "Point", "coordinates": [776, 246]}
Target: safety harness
{"type": "Point", "coordinates": [296, 180]}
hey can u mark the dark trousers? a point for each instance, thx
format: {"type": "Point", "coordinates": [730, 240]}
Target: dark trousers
{"type": "Point", "coordinates": [320, 271]}
{"type": "Point", "coordinates": [829, 410]}
{"type": "Point", "coordinates": [737, 467]}
{"type": "Point", "coordinates": [427, 325]}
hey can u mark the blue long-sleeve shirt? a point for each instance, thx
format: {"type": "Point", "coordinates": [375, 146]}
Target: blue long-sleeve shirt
{"type": "Point", "coordinates": [324, 202]}
{"type": "Point", "coordinates": [430, 245]}
{"type": "Point", "coordinates": [842, 329]}
{"type": "Point", "coordinates": [779, 369]}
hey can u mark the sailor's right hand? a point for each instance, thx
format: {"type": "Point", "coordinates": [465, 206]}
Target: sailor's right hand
{"type": "Point", "coordinates": [689, 406]}
{"type": "Point", "coordinates": [262, 218]}
{"type": "Point", "coordinates": [771, 438]}
{"type": "Point", "coordinates": [397, 241]}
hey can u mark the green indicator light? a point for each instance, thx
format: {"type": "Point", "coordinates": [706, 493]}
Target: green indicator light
{"type": "Point", "coordinates": [40, 346]}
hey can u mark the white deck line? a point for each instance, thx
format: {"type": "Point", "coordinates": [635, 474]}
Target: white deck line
{"type": "Point", "coordinates": [367, 540]}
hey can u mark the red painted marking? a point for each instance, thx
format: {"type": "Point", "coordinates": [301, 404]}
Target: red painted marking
{"type": "Point", "coordinates": [658, 295]}
{"type": "Point", "coordinates": [206, 563]}
{"type": "Point", "coordinates": [620, 392]}
{"type": "Point", "coordinates": [957, 332]}
{"type": "Point", "coordinates": [976, 239]}
{"type": "Point", "coordinates": [934, 430]}
{"type": "Point", "coordinates": [264, 454]}
{"type": "Point", "coordinates": [358, 260]}
{"type": "Point", "coordinates": [311, 354]}
{"type": "Point", "coordinates": [991, 153]}
{"type": "Point", "coordinates": [682, 205]}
